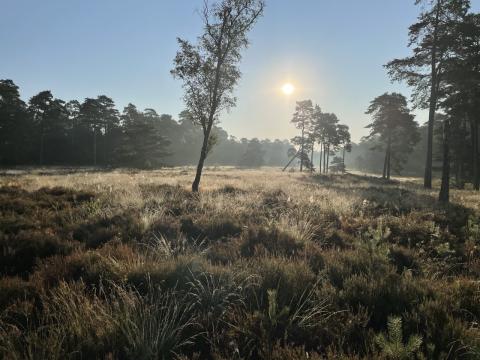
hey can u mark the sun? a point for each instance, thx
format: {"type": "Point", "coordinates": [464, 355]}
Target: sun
{"type": "Point", "coordinates": [288, 89]}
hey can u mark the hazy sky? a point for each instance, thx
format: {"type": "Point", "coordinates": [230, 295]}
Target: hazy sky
{"type": "Point", "coordinates": [331, 50]}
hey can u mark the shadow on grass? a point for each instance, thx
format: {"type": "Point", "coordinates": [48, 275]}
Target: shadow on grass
{"type": "Point", "coordinates": [56, 171]}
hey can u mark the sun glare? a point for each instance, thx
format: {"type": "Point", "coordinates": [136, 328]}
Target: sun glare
{"type": "Point", "coordinates": [288, 89]}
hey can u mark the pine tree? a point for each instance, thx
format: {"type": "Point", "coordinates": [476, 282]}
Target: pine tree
{"type": "Point", "coordinates": [302, 118]}
{"type": "Point", "coordinates": [432, 41]}
{"type": "Point", "coordinates": [394, 127]}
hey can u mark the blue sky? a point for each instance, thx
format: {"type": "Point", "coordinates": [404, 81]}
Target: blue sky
{"type": "Point", "coordinates": [331, 50]}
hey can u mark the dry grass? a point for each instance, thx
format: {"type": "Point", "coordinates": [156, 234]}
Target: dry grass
{"type": "Point", "coordinates": [232, 268]}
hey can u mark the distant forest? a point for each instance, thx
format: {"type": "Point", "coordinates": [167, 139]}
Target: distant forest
{"type": "Point", "coordinates": [51, 131]}
{"type": "Point", "coordinates": [364, 159]}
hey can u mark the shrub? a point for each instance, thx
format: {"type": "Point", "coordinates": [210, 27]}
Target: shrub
{"type": "Point", "coordinates": [14, 289]}
{"type": "Point", "coordinates": [90, 267]}
{"type": "Point", "coordinates": [215, 228]}
{"type": "Point", "coordinates": [381, 296]}
{"type": "Point", "coordinates": [19, 253]}
{"type": "Point", "coordinates": [125, 227]}
{"type": "Point", "coordinates": [173, 273]}
{"type": "Point", "coordinates": [339, 266]}
{"type": "Point", "coordinates": [275, 198]}
{"type": "Point", "coordinates": [260, 241]}
{"type": "Point", "coordinates": [290, 278]}
{"type": "Point", "coordinates": [404, 259]}
{"type": "Point", "coordinates": [224, 253]}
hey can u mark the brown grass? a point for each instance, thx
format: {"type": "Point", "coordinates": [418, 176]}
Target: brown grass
{"type": "Point", "coordinates": [260, 264]}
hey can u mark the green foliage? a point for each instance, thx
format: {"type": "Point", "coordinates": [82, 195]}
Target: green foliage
{"type": "Point", "coordinates": [135, 138]}
{"type": "Point", "coordinates": [393, 346]}
{"type": "Point", "coordinates": [142, 143]}
{"type": "Point", "coordinates": [394, 127]}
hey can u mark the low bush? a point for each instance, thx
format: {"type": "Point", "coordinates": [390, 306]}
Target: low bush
{"type": "Point", "coordinates": [14, 289]}
{"type": "Point", "coordinates": [215, 228]}
{"type": "Point", "coordinates": [125, 227]}
{"type": "Point", "coordinates": [263, 241]}
{"type": "Point", "coordinates": [90, 267]}
{"type": "Point", "coordinates": [19, 253]}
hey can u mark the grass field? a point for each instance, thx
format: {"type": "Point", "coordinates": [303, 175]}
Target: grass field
{"type": "Point", "coordinates": [260, 265]}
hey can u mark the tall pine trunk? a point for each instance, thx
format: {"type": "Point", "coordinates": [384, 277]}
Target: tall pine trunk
{"type": "Point", "coordinates": [427, 181]}
{"type": "Point", "coordinates": [476, 175]}
{"type": "Point", "coordinates": [444, 195]}
{"type": "Point", "coordinates": [389, 162]}
{"type": "Point", "coordinates": [328, 159]}
{"type": "Point", "coordinates": [321, 154]}
{"type": "Point", "coordinates": [311, 158]}
{"type": "Point", "coordinates": [477, 178]}
{"type": "Point", "coordinates": [94, 147]}
{"type": "Point", "coordinates": [324, 158]}
{"type": "Point", "coordinates": [389, 155]}
{"type": "Point", "coordinates": [105, 145]}
{"type": "Point", "coordinates": [42, 147]}
{"type": "Point", "coordinates": [461, 157]}
{"type": "Point", "coordinates": [72, 143]}
{"type": "Point", "coordinates": [302, 147]}
{"type": "Point", "coordinates": [384, 174]}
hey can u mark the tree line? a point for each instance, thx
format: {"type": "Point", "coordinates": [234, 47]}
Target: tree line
{"type": "Point", "coordinates": [322, 129]}
{"type": "Point", "coordinates": [50, 131]}
{"type": "Point", "coordinates": [444, 73]}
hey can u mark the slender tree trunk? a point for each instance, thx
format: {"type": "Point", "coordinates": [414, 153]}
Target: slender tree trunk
{"type": "Point", "coordinates": [462, 156]}
{"type": "Point", "coordinates": [477, 178]}
{"type": "Point", "coordinates": [16, 152]}
{"type": "Point", "coordinates": [427, 181]}
{"type": "Point", "coordinates": [476, 175]}
{"type": "Point", "coordinates": [389, 163]}
{"type": "Point", "coordinates": [311, 158]}
{"type": "Point", "coordinates": [321, 154]}
{"type": "Point", "coordinates": [72, 142]}
{"type": "Point", "coordinates": [42, 147]}
{"type": "Point", "coordinates": [324, 157]}
{"type": "Point", "coordinates": [456, 169]}
{"type": "Point", "coordinates": [302, 147]}
{"type": "Point", "coordinates": [201, 161]}
{"type": "Point", "coordinates": [384, 174]}
{"type": "Point", "coordinates": [444, 195]}
{"type": "Point", "coordinates": [328, 159]}
{"type": "Point", "coordinates": [343, 161]}
{"type": "Point", "coordinates": [474, 140]}
{"type": "Point", "coordinates": [389, 158]}
{"type": "Point", "coordinates": [94, 147]}
{"type": "Point", "coordinates": [105, 144]}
